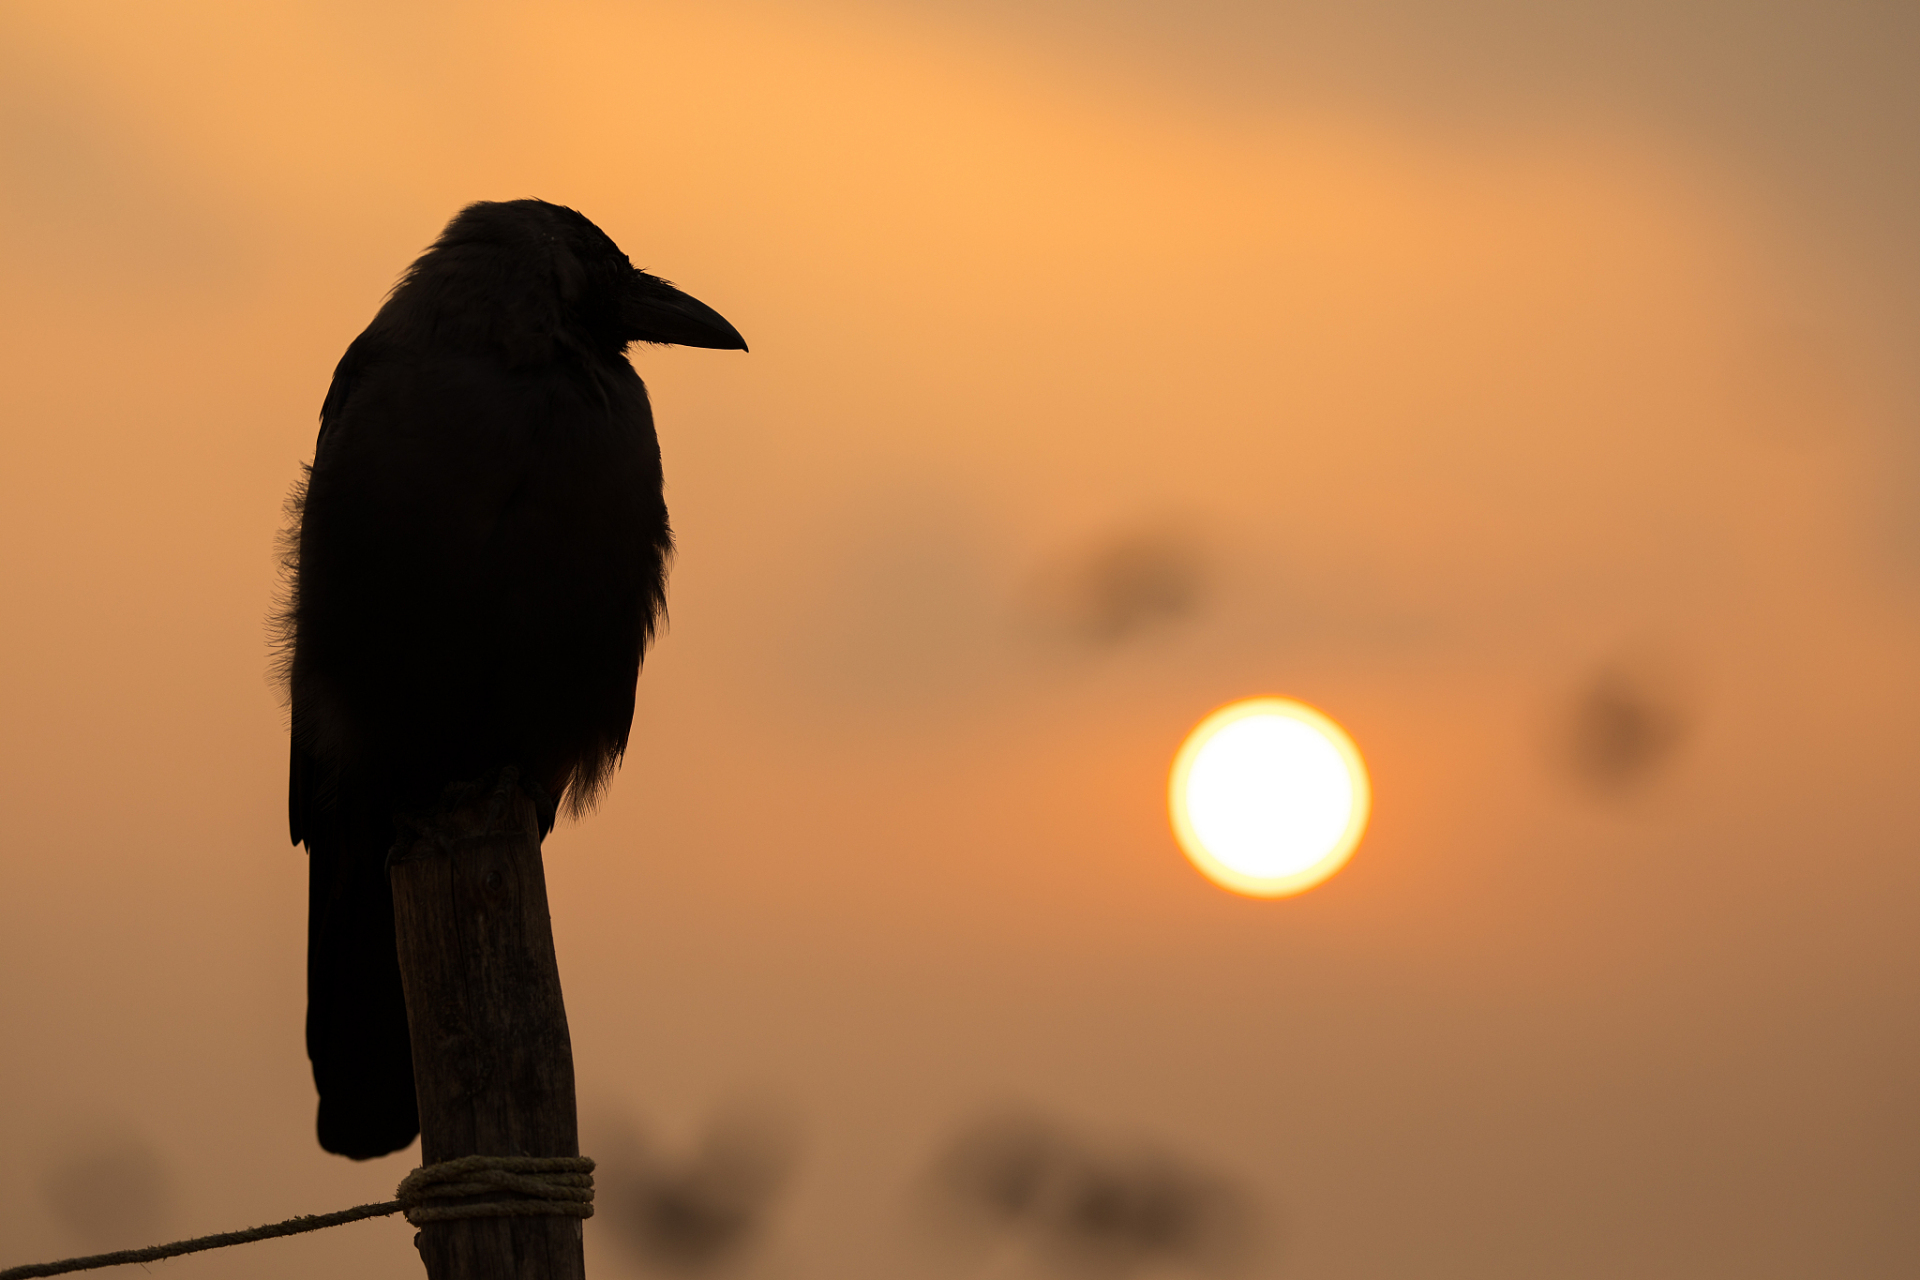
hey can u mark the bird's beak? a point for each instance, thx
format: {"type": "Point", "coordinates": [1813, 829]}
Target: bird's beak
{"type": "Point", "coordinates": [655, 311]}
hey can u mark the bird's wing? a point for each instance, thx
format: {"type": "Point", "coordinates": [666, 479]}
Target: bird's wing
{"type": "Point", "coordinates": [300, 765]}
{"type": "Point", "coordinates": [453, 502]}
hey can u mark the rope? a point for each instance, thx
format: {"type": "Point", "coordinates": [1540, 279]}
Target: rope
{"type": "Point", "coordinates": [540, 1186]}
{"type": "Point", "coordinates": [548, 1186]}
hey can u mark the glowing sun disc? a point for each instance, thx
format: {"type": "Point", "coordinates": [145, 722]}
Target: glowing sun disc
{"type": "Point", "coordinates": [1268, 797]}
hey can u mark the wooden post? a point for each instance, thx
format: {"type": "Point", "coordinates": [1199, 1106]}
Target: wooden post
{"type": "Point", "coordinates": [492, 1060]}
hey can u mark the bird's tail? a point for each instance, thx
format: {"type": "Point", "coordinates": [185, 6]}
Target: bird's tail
{"type": "Point", "coordinates": [356, 1008]}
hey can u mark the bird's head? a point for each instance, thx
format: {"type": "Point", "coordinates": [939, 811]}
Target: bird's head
{"type": "Point", "coordinates": [520, 266]}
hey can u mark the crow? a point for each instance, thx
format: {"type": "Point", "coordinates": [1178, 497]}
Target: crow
{"type": "Point", "coordinates": [476, 566]}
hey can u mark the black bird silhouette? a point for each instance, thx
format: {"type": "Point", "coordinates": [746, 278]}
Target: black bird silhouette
{"type": "Point", "coordinates": [479, 563]}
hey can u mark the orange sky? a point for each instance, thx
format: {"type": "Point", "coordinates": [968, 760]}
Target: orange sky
{"type": "Point", "coordinates": [1443, 404]}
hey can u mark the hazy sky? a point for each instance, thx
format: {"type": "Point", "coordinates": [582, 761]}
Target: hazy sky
{"type": "Point", "coordinates": [1534, 395]}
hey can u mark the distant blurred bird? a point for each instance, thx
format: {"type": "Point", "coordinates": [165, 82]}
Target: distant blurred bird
{"type": "Point", "coordinates": [1090, 1209]}
{"type": "Point", "coordinates": [1123, 587]}
{"type": "Point", "coordinates": [112, 1192]}
{"type": "Point", "coordinates": [1627, 724]}
{"type": "Point", "coordinates": [479, 562]}
{"type": "Point", "coordinates": [703, 1209]}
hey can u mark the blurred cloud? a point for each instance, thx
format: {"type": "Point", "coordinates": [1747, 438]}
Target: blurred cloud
{"type": "Point", "coordinates": [701, 1209]}
{"type": "Point", "coordinates": [1760, 76]}
{"type": "Point", "coordinates": [88, 191]}
{"type": "Point", "coordinates": [111, 1192]}
{"type": "Point", "coordinates": [1104, 1208]}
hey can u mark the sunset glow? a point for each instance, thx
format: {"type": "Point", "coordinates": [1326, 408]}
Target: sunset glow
{"type": "Point", "coordinates": [1268, 797]}
{"type": "Point", "coordinates": [1528, 388]}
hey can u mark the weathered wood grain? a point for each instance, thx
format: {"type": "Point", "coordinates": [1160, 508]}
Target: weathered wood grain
{"type": "Point", "coordinates": [492, 1060]}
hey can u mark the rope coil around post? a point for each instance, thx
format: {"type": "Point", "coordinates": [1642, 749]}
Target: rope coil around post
{"type": "Point", "coordinates": [546, 1187]}
{"type": "Point", "coordinates": [532, 1187]}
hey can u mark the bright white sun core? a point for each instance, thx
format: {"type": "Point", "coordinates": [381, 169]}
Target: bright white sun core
{"type": "Point", "coordinates": [1268, 797]}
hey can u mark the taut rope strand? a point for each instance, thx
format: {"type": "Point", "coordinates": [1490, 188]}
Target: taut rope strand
{"type": "Point", "coordinates": [534, 1187]}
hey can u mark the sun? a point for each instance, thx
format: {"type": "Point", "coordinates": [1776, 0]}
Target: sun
{"type": "Point", "coordinates": [1268, 797]}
